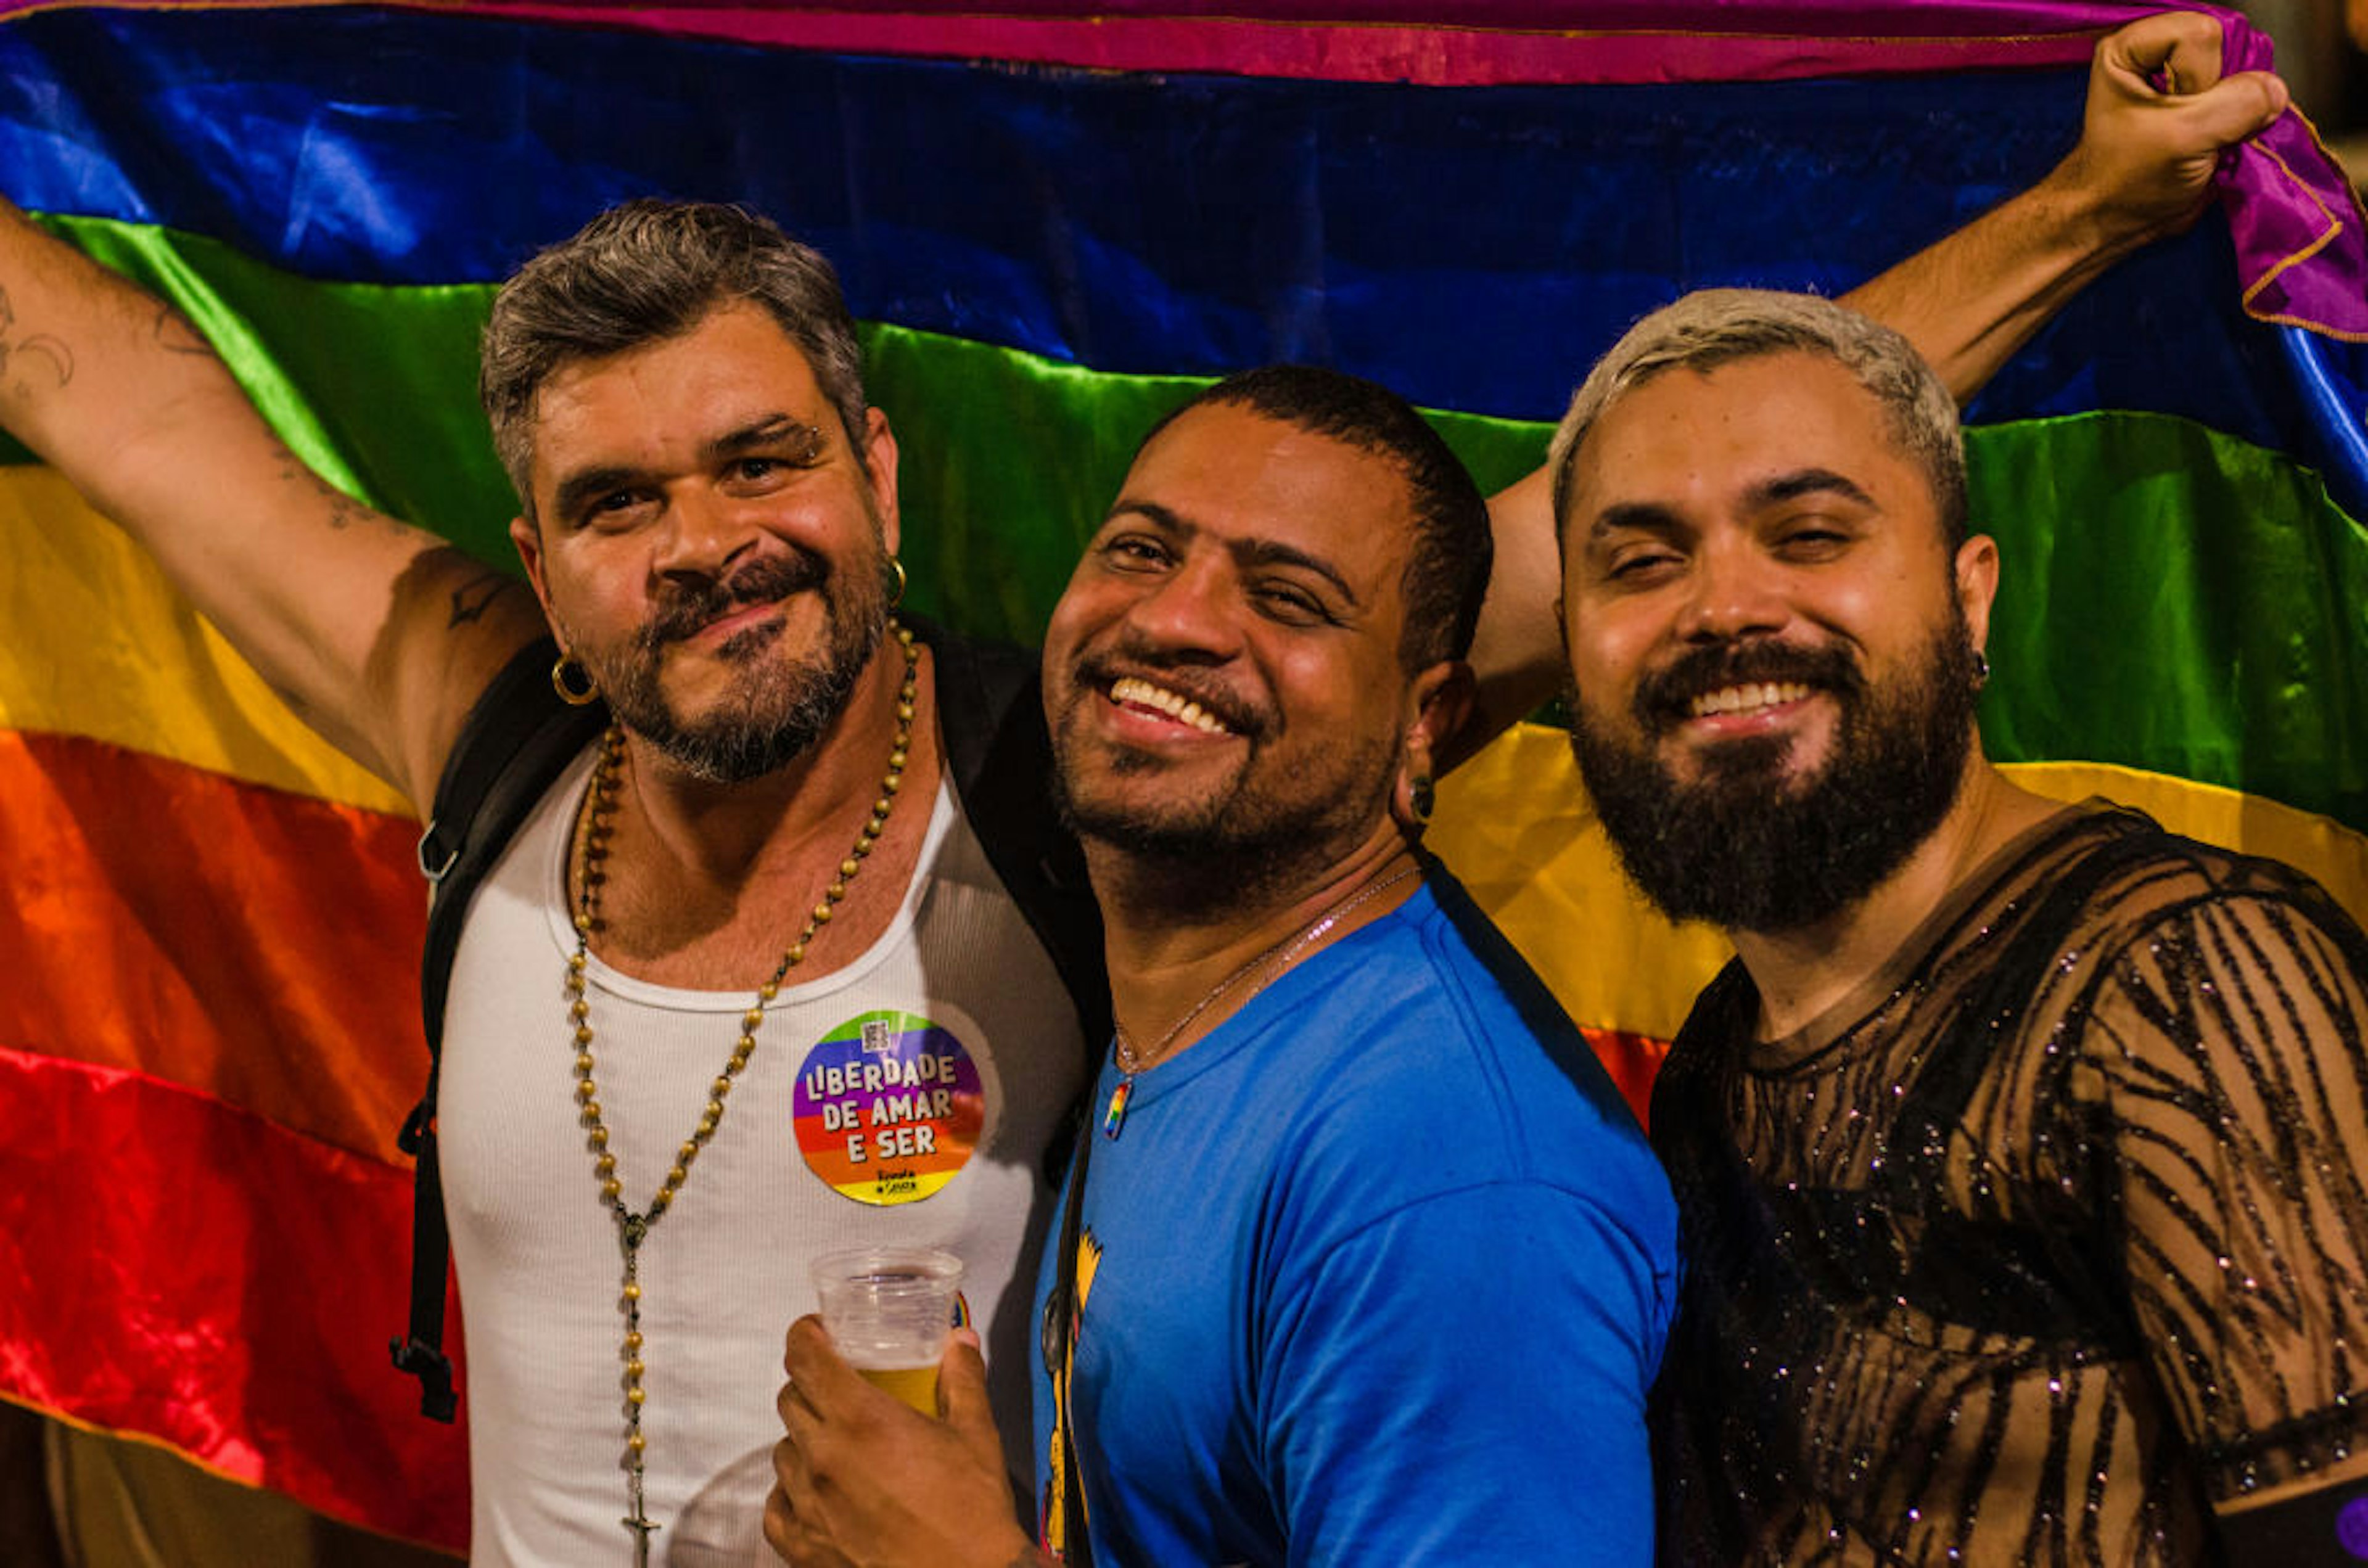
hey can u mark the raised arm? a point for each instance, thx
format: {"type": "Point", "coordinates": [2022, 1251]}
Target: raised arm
{"type": "Point", "coordinates": [377, 634]}
{"type": "Point", "coordinates": [2158, 114]}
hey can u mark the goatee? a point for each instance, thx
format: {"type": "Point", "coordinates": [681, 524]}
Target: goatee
{"type": "Point", "coordinates": [776, 710]}
{"type": "Point", "coordinates": [1749, 849]}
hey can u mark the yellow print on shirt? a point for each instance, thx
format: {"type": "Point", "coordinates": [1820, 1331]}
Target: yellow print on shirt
{"type": "Point", "coordinates": [1051, 1515]}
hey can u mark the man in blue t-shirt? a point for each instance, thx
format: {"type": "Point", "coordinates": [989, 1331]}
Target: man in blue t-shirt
{"type": "Point", "coordinates": [1368, 1261]}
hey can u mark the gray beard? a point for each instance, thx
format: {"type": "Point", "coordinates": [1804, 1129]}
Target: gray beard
{"type": "Point", "coordinates": [775, 714]}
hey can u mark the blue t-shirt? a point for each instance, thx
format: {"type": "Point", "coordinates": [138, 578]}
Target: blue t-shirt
{"type": "Point", "coordinates": [1379, 1271]}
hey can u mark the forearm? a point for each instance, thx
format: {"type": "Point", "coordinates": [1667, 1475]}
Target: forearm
{"type": "Point", "coordinates": [1972, 299]}
{"type": "Point", "coordinates": [1517, 656]}
{"type": "Point", "coordinates": [93, 364]}
{"type": "Point", "coordinates": [2158, 115]}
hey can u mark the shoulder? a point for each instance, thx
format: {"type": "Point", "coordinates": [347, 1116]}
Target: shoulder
{"type": "Point", "coordinates": [2185, 951]}
{"type": "Point", "coordinates": [515, 742]}
{"type": "Point", "coordinates": [2142, 887]}
{"type": "Point", "coordinates": [1449, 1067]}
{"type": "Point", "coordinates": [2128, 866]}
{"type": "Point", "coordinates": [1431, 1008]}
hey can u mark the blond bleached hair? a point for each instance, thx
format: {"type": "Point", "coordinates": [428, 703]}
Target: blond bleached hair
{"type": "Point", "coordinates": [1718, 326]}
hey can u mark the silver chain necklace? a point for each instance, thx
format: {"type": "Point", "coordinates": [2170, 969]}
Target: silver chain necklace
{"type": "Point", "coordinates": [1133, 1061]}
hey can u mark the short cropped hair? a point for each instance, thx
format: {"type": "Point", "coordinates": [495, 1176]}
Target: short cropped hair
{"type": "Point", "coordinates": [1718, 326]}
{"type": "Point", "coordinates": [1446, 575]}
{"type": "Point", "coordinates": [643, 272]}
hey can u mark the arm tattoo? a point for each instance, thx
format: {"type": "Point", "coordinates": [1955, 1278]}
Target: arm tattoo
{"type": "Point", "coordinates": [174, 334]}
{"type": "Point", "coordinates": [27, 350]}
{"type": "Point", "coordinates": [344, 510]}
{"type": "Point", "coordinates": [470, 599]}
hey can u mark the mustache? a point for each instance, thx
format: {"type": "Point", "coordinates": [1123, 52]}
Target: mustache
{"type": "Point", "coordinates": [1131, 658]}
{"type": "Point", "coordinates": [1665, 696]}
{"type": "Point", "coordinates": [685, 609]}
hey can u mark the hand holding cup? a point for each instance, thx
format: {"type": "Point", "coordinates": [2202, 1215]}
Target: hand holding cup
{"type": "Point", "coordinates": [889, 1310]}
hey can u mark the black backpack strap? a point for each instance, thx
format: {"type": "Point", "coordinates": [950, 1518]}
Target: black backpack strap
{"type": "Point", "coordinates": [517, 740]}
{"type": "Point", "coordinates": [991, 716]}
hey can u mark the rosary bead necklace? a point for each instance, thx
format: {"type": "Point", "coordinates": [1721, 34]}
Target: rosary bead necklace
{"type": "Point", "coordinates": [1134, 1061]}
{"type": "Point", "coordinates": [593, 830]}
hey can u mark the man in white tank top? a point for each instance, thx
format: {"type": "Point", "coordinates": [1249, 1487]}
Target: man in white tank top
{"type": "Point", "coordinates": [830, 1022]}
{"type": "Point", "coordinates": [759, 977]}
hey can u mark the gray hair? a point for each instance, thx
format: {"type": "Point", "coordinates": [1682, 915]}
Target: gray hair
{"type": "Point", "coordinates": [1717, 327]}
{"type": "Point", "coordinates": [639, 274]}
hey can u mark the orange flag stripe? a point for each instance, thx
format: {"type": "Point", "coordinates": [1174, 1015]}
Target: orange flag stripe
{"type": "Point", "coordinates": [256, 945]}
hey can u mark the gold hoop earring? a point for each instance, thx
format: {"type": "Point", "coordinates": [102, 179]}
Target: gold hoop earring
{"type": "Point", "coordinates": [574, 696]}
{"type": "Point", "coordinates": [898, 597]}
{"type": "Point", "coordinates": [1421, 798]}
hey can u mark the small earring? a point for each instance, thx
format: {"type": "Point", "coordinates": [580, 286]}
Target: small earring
{"type": "Point", "coordinates": [1424, 800]}
{"type": "Point", "coordinates": [896, 598]}
{"type": "Point", "coordinates": [1981, 669]}
{"type": "Point", "coordinates": [561, 682]}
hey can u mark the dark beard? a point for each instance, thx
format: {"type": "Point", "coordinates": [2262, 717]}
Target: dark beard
{"type": "Point", "coordinates": [1236, 849]}
{"type": "Point", "coordinates": [1219, 862]}
{"type": "Point", "coordinates": [776, 713]}
{"type": "Point", "coordinates": [1744, 847]}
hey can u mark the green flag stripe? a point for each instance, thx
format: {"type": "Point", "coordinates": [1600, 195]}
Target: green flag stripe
{"type": "Point", "coordinates": [2174, 598]}
{"type": "Point", "coordinates": [1008, 459]}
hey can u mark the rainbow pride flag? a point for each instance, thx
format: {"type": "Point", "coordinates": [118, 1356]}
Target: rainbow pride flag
{"type": "Point", "coordinates": [1054, 221]}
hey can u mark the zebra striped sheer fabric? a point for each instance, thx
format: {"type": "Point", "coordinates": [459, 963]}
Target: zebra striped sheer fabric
{"type": "Point", "coordinates": [2042, 1246]}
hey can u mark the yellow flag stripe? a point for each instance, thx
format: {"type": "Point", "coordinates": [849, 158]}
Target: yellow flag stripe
{"type": "Point", "coordinates": [1516, 826]}
{"type": "Point", "coordinates": [101, 646]}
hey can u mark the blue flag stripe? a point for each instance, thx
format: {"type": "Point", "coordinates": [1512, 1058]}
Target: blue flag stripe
{"type": "Point", "coordinates": [1472, 247]}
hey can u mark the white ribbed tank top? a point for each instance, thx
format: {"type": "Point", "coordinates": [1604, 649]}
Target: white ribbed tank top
{"type": "Point", "coordinates": [971, 1055]}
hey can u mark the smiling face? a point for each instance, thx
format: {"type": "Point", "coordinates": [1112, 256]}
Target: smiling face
{"type": "Point", "coordinates": [708, 545]}
{"type": "Point", "coordinates": [1223, 675]}
{"type": "Point", "coordinates": [1771, 644]}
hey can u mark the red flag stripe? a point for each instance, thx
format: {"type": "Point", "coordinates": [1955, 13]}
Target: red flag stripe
{"type": "Point", "coordinates": [190, 1270]}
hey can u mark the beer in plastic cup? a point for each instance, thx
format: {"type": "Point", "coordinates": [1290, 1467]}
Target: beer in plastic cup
{"type": "Point", "coordinates": [889, 1310]}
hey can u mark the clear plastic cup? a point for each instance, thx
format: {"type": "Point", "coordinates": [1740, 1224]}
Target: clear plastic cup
{"type": "Point", "coordinates": [889, 1310]}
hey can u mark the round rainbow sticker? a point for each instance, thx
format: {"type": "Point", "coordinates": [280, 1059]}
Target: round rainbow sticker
{"type": "Point", "coordinates": [888, 1108]}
